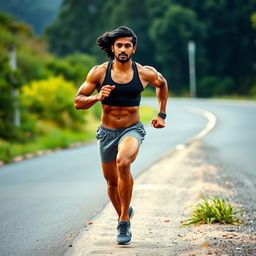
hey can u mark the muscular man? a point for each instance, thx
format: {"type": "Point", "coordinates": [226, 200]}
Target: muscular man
{"type": "Point", "coordinates": [119, 83]}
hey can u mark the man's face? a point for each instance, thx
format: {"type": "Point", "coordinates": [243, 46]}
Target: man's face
{"type": "Point", "coordinates": [123, 49]}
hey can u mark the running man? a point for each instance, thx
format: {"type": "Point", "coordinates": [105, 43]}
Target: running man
{"type": "Point", "coordinates": [119, 83]}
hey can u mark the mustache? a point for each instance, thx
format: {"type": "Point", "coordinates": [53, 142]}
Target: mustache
{"type": "Point", "coordinates": [123, 54]}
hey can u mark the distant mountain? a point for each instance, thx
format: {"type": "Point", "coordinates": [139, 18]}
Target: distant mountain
{"type": "Point", "coordinates": [37, 13]}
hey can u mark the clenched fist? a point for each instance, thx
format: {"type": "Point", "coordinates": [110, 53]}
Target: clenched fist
{"type": "Point", "coordinates": [105, 91]}
{"type": "Point", "coordinates": [158, 122]}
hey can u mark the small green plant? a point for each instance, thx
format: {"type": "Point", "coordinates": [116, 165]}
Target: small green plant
{"type": "Point", "coordinates": [214, 210]}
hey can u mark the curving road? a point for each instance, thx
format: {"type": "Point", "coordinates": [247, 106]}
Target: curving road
{"type": "Point", "coordinates": [46, 201]}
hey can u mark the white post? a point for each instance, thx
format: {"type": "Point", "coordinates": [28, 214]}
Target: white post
{"type": "Point", "coordinates": [192, 71]}
{"type": "Point", "coordinates": [15, 92]}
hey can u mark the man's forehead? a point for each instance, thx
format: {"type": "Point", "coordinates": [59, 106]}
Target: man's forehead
{"type": "Point", "coordinates": [123, 40]}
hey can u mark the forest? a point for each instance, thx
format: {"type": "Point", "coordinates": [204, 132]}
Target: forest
{"type": "Point", "coordinates": [223, 31]}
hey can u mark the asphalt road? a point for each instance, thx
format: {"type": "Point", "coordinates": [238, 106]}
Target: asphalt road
{"type": "Point", "coordinates": [46, 201]}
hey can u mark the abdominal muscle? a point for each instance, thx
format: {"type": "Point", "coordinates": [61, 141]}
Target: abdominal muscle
{"type": "Point", "coordinates": [119, 117]}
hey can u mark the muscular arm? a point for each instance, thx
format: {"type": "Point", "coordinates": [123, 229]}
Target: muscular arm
{"type": "Point", "coordinates": [157, 80]}
{"type": "Point", "coordinates": [83, 98]}
{"type": "Point", "coordinates": [161, 91]}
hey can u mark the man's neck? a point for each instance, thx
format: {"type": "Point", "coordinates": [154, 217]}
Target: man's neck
{"type": "Point", "coordinates": [122, 66]}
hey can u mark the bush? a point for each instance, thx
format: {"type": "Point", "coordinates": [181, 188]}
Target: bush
{"type": "Point", "coordinates": [53, 99]}
{"type": "Point", "coordinates": [253, 91]}
{"type": "Point", "coordinates": [5, 151]}
{"type": "Point", "coordinates": [32, 67]}
{"type": "Point", "coordinates": [73, 67]}
{"type": "Point", "coordinates": [214, 86]}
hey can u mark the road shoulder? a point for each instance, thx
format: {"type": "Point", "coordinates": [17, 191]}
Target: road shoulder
{"type": "Point", "coordinates": [163, 196]}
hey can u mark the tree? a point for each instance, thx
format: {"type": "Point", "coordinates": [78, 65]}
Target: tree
{"type": "Point", "coordinates": [76, 27]}
{"type": "Point", "coordinates": [171, 34]}
{"type": "Point", "coordinates": [222, 31]}
{"type": "Point", "coordinates": [9, 79]}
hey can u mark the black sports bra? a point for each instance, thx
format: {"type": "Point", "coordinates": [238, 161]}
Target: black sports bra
{"type": "Point", "coordinates": [124, 95]}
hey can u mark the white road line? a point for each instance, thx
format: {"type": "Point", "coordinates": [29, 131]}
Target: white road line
{"type": "Point", "coordinates": [212, 120]}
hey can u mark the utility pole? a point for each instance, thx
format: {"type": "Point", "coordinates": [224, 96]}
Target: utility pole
{"type": "Point", "coordinates": [192, 70]}
{"type": "Point", "coordinates": [15, 92]}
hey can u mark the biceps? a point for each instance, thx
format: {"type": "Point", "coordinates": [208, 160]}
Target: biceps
{"type": "Point", "coordinates": [87, 88]}
{"type": "Point", "coordinates": [159, 80]}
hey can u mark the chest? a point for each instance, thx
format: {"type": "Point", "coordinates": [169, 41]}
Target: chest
{"type": "Point", "coordinates": [122, 77]}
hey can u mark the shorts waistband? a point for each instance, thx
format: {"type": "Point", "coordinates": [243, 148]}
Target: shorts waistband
{"type": "Point", "coordinates": [121, 129]}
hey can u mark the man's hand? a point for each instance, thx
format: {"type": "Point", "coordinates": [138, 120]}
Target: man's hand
{"type": "Point", "coordinates": [158, 122]}
{"type": "Point", "coordinates": [105, 91]}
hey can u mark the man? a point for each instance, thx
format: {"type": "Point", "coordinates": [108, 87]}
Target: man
{"type": "Point", "coordinates": [119, 83]}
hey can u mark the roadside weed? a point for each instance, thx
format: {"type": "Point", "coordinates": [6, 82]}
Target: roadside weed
{"type": "Point", "coordinates": [214, 210]}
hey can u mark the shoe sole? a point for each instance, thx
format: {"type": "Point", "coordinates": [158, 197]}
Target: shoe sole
{"type": "Point", "coordinates": [125, 243]}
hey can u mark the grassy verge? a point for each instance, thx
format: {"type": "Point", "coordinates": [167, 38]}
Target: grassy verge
{"type": "Point", "coordinates": [61, 138]}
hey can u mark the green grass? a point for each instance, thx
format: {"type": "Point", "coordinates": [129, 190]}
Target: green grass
{"type": "Point", "coordinates": [56, 137]}
{"type": "Point", "coordinates": [214, 210]}
{"type": "Point", "coordinates": [147, 114]}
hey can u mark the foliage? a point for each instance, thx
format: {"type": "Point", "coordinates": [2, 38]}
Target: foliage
{"type": "Point", "coordinates": [52, 99]}
{"type": "Point", "coordinates": [214, 86]}
{"type": "Point", "coordinates": [68, 25]}
{"type": "Point", "coordinates": [253, 20]}
{"type": "Point", "coordinates": [35, 63]}
{"type": "Point", "coordinates": [222, 30]}
{"type": "Point", "coordinates": [5, 151]}
{"type": "Point", "coordinates": [57, 138]}
{"type": "Point", "coordinates": [50, 136]}
{"type": "Point", "coordinates": [9, 80]}
{"type": "Point", "coordinates": [147, 113]}
{"type": "Point", "coordinates": [73, 67]}
{"type": "Point", "coordinates": [33, 59]}
{"type": "Point", "coordinates": [214, 210]}
{"type": "Point", "coordinates": [172, 50]}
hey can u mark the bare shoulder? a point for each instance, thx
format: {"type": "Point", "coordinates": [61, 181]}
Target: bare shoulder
{"type": "Point", "coordinates": [97, 73]}
{"type": "Point", "coordinates": [147, 73]}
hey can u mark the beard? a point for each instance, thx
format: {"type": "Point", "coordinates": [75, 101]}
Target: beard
{"type": "Point", "coordinates": [123, 60]}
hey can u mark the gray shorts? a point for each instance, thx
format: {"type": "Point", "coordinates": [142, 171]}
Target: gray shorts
{"type": "Point", "coordinates": [108, 139]}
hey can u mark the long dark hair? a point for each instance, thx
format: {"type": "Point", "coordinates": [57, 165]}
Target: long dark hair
{"type": "Point", "coordinates": [106, 40]}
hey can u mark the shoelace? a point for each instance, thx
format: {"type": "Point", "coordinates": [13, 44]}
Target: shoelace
{"type": "Point", "coordinates": [123, 228]}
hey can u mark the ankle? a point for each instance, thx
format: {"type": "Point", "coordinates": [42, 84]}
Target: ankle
{"type": "Point", "coordinates": [124, 219]}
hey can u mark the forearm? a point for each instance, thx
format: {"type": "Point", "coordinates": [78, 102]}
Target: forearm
{"type": "Point", "coordinates": [85, 102]}
{"type": "Point", "coordinates": [162, 96]}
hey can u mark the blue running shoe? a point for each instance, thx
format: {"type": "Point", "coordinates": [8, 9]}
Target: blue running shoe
{"type": "Point", "coordinates": [124, 235]}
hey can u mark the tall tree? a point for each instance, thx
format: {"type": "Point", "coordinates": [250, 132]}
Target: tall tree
{"type": "Point", "coordinates": [171, 34]}
{"type": "Point", "coordinates": [229, 42]}
{"type": "Point", "coordinates": [76, 27]}
{"type": "Point", "coordinates": [134, 14]}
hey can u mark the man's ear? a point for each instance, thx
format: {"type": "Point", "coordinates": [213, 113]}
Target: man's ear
{"type": "Point", "coordinates": [112, 48]}
{"type": "Point", "coordinates": [134, 49]}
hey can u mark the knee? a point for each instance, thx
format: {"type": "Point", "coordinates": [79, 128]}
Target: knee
{"type": "Point", "coordinates": [123, 165]}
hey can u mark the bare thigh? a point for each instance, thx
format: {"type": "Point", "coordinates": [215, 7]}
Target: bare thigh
{"type": "Point", "coordinates": [128, 149]}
